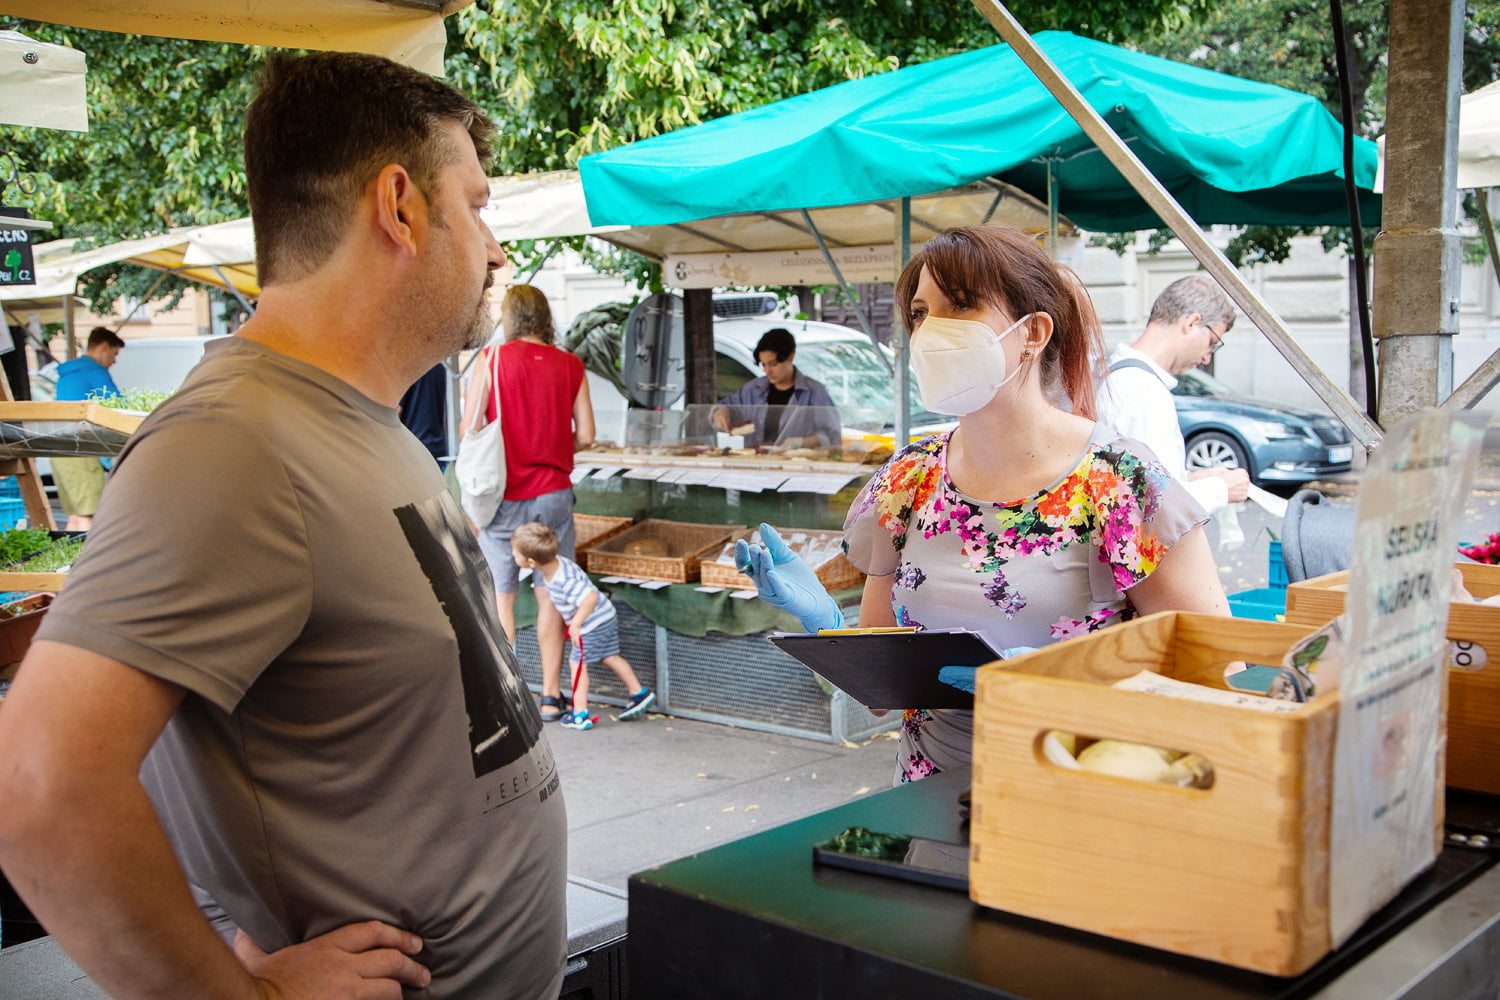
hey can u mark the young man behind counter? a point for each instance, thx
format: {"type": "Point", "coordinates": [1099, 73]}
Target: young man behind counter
{"type": "Point", "coordinates": [283, 626]}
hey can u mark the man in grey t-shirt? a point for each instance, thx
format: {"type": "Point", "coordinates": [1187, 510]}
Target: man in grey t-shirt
{"type": "Point", "coordinates": [278, 656]}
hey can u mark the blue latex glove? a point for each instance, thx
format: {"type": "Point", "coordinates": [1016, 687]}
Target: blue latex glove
{"type": "Point", "coordinates": [963, 677]}
{"type": "Point", "coordinates": [785, 581]}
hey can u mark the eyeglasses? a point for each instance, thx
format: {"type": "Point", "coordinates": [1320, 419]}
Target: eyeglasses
{"type": "Point", "coordinates": [1216, 339]}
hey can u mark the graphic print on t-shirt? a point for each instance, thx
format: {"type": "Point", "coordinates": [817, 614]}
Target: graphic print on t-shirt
{"type": "Point", "coordinates": [503, 720]}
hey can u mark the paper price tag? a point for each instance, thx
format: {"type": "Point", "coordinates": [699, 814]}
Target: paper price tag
{"type": "Point", "coordinates": [1386, 761]}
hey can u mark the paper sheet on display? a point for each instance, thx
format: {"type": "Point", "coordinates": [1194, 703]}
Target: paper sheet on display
{"type": "Point", "coordinates": [750, 481]}
{"type": "Point", "coordinates": [815, 482]}
{"type": "Point", "coordinates": [1386, 764]}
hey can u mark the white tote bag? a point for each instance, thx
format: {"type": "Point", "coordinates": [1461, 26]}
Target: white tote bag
{"type": "Point", "coordinates": [480, 465]}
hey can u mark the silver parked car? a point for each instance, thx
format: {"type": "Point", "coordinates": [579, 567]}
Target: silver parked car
{"type": "Point", "coordinates": [1274, 442]}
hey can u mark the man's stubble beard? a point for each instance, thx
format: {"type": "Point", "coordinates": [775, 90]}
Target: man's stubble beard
{"type": "Point", "coordinates": [482, 328]}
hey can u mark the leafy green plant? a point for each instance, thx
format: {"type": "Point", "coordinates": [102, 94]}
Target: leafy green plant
{"type": "Point", "coordinates": [56, 557]}
{"type": "Point", "coordinates": [139, 400]}
{"type": "Point", "coordinates": [18, 543]}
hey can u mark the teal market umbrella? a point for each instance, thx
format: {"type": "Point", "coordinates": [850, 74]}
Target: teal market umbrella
{"type": "Point", "coordinates": [1229, 150]}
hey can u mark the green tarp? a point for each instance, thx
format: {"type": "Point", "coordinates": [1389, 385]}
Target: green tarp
{"type": "Point", "coordinates": [1230, 150]}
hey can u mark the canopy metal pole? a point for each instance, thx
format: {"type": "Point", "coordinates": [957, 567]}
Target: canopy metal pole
{"type": "Point", "coordinates": [70, 346]}
{"type": "Point", "coordinates": [141, 302]}
{"type": "Point", "coordinates": [1181, 224]}
{"type": "Point", "coordinates": [1487, 224]}
{"type": "Point", "coordinates": [229, 287]}
{"type": "Point", "coordinates": [859, 313]}
{"type": "Point", "coordinates": [546, 255]}
{"type": "Point", "coordinates": [453, 403]}
{"type": "Point", "coordinates": [1487, 374]}
{"type": "Point", "coordinates": [1051, 211]}
{"type": "Point", "coordinates": [899, 339]}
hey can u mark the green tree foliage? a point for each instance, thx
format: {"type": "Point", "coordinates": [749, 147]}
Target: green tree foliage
{"type": "Point", "coordinates": [1290, 43]}
{"type": "Point", "coordinates": [562, 77]}
{"type": "Point", "coordinates": [573, 77]}
{"type": "Point", "coordinates": [163, 146]}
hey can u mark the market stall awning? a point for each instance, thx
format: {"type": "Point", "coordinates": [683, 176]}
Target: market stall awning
{"type": "Point", "coordinates": [757, 248]}
{"type": "Point", "coordinates": [408, 31]}
{"type": "Point", "coordinates": [1478, 140]}
{"type": "Point", "coordinates": [1229, 150]}
{"type": "Point", "coordinates": [41, 85]}
{"type": "Point", "coordinates": [221, 255]}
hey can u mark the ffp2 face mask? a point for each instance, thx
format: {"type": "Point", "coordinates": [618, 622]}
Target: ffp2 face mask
{"type": "Point", "coordinates": [960, 363]}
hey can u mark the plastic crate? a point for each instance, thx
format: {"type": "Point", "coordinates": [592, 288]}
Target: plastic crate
{"type": "Point", "coordinates": [1267, 604]}
{"type": "Point", "coordinates": [12, 510]}
{"type": "Point", "coordinates": [1276, 569]}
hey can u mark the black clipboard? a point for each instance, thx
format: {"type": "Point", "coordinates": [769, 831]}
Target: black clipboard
{"type": "Point", "coordinates": [892, 670]}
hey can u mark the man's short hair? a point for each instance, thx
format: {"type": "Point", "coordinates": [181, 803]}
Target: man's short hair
{"type": "Point", "coordinates": [534, 540]}
{"type": "Point", "coordinates": [779, 340]}
{"type": "Point", "coordinates": [524, 312]}
{"type": "Point", "coordinates": [104, 335]}
{"type": "Point", "coordinates": [1197, 293]}
{"type": "Point", "coordinates": [320, 128]}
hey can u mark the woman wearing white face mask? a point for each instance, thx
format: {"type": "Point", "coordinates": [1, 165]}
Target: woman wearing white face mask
{"type": "Point", "coordinates": [1029, 522]}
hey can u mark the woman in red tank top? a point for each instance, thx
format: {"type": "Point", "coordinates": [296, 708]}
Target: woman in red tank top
{"type": "Point", "coordinates": [541, 397]}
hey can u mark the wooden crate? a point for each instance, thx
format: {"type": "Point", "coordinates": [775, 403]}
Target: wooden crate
{"type": "Point", "coordinates": [836, 573]}
{"type": "Point", "coordinates": [1236, 873]}
{"type": "Point", "coordinates": [685, 546]}
{"type": "Point", "coordinates": [591, 529]}
{"type": "Point", "coordinates": [1473, 686]}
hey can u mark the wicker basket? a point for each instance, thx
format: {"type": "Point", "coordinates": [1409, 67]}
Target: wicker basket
{"type": "Point", "coordinates": [591, 529]}
{"type": "Point", "coordinates": [834, 572]}
{"type": "Point", "coordinates": [685, 545]}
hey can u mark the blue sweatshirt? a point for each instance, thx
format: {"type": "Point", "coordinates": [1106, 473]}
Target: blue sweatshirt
{"type": "Point", "coordinates": [83, 378]}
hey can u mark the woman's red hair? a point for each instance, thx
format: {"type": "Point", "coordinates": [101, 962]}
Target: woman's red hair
{"type": "Point", "coordinates": [1005, 267]}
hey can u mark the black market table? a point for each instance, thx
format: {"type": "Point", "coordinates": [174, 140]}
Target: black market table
{"type": "Point", "coordinates": [755, 919]}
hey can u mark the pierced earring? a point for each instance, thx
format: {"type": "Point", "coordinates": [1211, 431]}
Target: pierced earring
{"type": "Point", "coordinates": [1026, 353]}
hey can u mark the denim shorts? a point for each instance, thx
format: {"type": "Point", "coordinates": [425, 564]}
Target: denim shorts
{"type": "Point", "coordinates": [554, 509]}
{"type": "Point", "coordinates": [601, 641]}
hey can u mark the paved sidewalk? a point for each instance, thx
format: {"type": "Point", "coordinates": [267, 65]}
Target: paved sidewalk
{"type": "Point", "coordinates": [648, 791]}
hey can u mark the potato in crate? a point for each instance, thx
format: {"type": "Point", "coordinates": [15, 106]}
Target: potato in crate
{"type": "Point", "coordinates": [656, 549]}
{"type": "Point", "coordinates": [1236, 872]}
{"type": "Point", "coordinates": [1473, 681]}
{"type": "Point", "coordinates": [822, 550]}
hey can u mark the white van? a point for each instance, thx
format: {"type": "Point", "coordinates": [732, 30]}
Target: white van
{"type": "Point", "coordinates": [843, 359]}
{"type": "Point", "coordinates": [159, 363]}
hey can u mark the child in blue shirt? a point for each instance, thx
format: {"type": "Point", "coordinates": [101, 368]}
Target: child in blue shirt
{"type": "Point", "coordinates": [590, 616]}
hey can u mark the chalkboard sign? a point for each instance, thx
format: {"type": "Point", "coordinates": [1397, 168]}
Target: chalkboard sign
{"type": "Point", "coordinates": [16, 267]}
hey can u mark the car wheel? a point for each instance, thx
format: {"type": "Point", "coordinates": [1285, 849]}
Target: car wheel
{"type": "Point", "coordinates": [1214, 450]}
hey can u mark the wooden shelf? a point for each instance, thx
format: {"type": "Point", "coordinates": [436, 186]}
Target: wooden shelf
{"type": "Point", "coordinates": [82, 411]}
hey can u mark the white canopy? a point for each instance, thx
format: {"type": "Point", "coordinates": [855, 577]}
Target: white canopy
{"type": "Point", "coordinates": [1478, 140]}
{"type": "Point", "coordinates": [408, 31]}
{"type": "Point", "coordinates": [41, 85]}
{"type": "Point", "coordinates": [758, 248]}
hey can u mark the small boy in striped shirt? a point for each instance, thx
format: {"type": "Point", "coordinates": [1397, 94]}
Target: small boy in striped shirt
{"type": "Point", "coordinates": [590, 616]}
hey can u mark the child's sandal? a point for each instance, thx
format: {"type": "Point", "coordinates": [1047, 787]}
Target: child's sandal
{"type": "Point", "coordinates": [551, 708]}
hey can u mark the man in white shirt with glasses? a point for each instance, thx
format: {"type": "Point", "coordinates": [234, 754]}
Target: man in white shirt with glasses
{"type": "Point", "coordinates": [1188, 323]}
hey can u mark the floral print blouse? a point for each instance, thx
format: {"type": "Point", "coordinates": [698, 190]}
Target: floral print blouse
{"type": "Point", "coordinates": [1024, 572]}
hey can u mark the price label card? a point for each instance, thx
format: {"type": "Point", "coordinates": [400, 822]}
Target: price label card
{"type": "Point", "coordinates": [1388, 756]}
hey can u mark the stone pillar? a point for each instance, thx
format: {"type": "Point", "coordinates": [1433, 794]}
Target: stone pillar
{"type": "Point", "coordinates": [1417, 252]}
